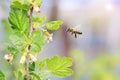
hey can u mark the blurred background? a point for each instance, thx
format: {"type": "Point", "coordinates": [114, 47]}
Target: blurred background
{"type": "Point", "coordinates": [95, 53]}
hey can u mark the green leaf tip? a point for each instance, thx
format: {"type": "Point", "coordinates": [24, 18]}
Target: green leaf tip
{"type": "Point", "coordinates": [37, 3]}
{"type": "Point", "coordinates": [34, 76]}
{"type": "Point", "coordinates": [19, 5]}
{"type": "Point", "coordinates": [18, 75]}
{"type": "Point", "coordinates": [38, 21]}
{"type": "Point", "coordinates": [54, 25]}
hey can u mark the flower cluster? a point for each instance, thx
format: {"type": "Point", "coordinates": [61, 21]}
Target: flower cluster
{"type": "Point", "coordinates": [32, 58]}
{"type": "Point", "coordinates": [49, 36]}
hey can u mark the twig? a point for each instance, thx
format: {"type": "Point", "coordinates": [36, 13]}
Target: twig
{"type": "Point", "coordinates": [29, 46]}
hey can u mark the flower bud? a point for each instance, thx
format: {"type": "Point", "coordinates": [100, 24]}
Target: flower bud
{"type": "Point", "coordinates": [8, 57]}
{"type": "Point", "coordinates": [37, 9]}
{"type": "Point", "coordinates": [22, 60]}
{"type": "Point", "coordinates": [32, 58]}
{"type": "Point", "coordinates": [49, 36]}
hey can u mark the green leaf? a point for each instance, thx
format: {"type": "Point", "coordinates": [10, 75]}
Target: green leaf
{"type": "Point", "coordinates": [37, 3]}
{"type": "Point", "coordinates": [45, 75]}
{"type": "Point", "coordinates": [38, 21]}
{"type": "Point", "coordinates": [59, 66]}
{"type": "Point", "coordinates": [41, 65]}
{"type": "Point", "coordinates": [18, 41]}
{"type": "Point", "coordinates": [18, 75]}
{"type": "Point", "coordinates": [12, 49]}
{"type": "Point", "coordinates": [62, 73]}
{"type": "Point", "coordinates": [53, 25]}
{"type": "Point", "coordinates": [25, 77]}
{"type": "Point", "coordinates": [38, 41]}
{"type": "Point", "coordinates": [34, 76]}
{"type": "Point", "coordinates": [56, 66]}
{"type": "Point", "coordinates": [19, 20]}
{"type": "Point", "coordinates": [2, 76]}
{"type": "Point", "coordinates": [19, 5]}
{"type": "Point", "coordinates": [32, 67]}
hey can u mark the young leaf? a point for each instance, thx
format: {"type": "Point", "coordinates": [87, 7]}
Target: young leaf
{"type": "Point", "coordinates": [12, 49]}
{"type": "Point", "coordinates": [59, 66]}
{"type": "Point", "coordinates": [38, 21]}
{"type": "Point", "coordinates": [19, 5]}
{"type": "Point", "coordinates": [19, 20]}
{"type": "Point", "coordinates": [18, 75]}
{"type": "Point", "coordinates": [34, 76]}
{"type": "Point", "coordinates": [53, 25]}
{"type": "Point", "coordinates": [41, 65]}
{"type": "Point", "coordinates": [38, 41]}
{"type": "Point", "coordinates": [2, 76]}
{"type": "Point", "coordinates": [32, 67]}
{"type": "Point", "coordinates": [37, 3]}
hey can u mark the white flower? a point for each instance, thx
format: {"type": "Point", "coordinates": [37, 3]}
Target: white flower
{"type": "Point", "coordinates": [49, 38]}
{"type": "Point", "coordinates": [33, 58]}
{"type": "Point", "coordinates": [22, 60]}
{"type": "Point", "coordinates": [8, 57]}
{"type": "Point", "coordinates": [37, 9]}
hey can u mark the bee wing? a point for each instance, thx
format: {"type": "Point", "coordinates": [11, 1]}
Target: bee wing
{"type": "Point", "coordinates": [78, 26]}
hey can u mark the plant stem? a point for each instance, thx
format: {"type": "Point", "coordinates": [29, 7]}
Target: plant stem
{"type": "Point", "coordinates": [27, 63]}
{"type": "Point", "coordinates": [29, 46]}
{"type": "Point", "coordinates": [30, 19]}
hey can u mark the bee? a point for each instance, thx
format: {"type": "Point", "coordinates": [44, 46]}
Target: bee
{"type": "Point", "coordinates": [74, 31]}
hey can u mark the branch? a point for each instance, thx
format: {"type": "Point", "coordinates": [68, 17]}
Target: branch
{"type": "Point", "coordinates": [30, 19]}
{"type": "Point", "coordinates": [29, 46]}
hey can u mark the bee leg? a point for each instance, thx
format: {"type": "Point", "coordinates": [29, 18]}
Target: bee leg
{"type": "Point", "coordinates": [79, 33]}
{"type": "Point", "coordinates": [75, 35]}
{"type": "Point", "coordinates": [72, 33]}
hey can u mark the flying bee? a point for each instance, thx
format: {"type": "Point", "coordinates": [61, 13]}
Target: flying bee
{"type": "Point", "coordinates": [74, 31]}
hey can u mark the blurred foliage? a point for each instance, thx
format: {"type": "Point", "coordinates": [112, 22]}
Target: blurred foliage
{"type": "Point", "coordinates": [103, 67]}
{"type": "Point", "coordinates": [2, 76]}
{"type": "Point", "coordinates": [7, 28]}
